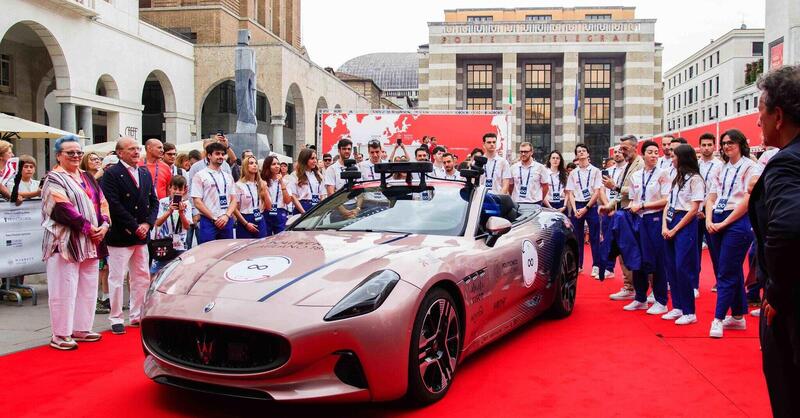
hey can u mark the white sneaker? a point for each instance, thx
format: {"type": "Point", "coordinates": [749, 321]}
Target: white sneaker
{"type": "Point", "coordinates": [609, 273]}
{"type": "Point", "coordinates": [651, 298]}
{"type": "Point", "coordinates": [595, 272]}
{"type": "Point", "coordinates": [657, 309]}
{"type": "Point", "coordinates": [705, 246]}
{"type": "Point", "coordinates": [686, 320]}
{"type": "Point", "coordinates": [756, 312]}
{"type": "Point", "coordinates": [716, 329]}
{"type": "Point", "coordinates": [696, 293]}
{"type": "Point", "coordinates": [732, 323]}
{"type": "Point", "coordinates": [672, 315]}
{"type": "Point", "coordinates": [635, 306]}
{"type": "Point", "coordinates": [623, 294]}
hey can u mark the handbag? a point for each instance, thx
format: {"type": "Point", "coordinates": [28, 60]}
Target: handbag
{"type": "Point", "coordinates": [163, 249]}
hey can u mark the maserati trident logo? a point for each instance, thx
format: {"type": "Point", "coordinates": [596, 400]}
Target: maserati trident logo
{"type": "Point", "coordinates": [209, 307]}
{"type": "Point", "coordinates": [205, 349]}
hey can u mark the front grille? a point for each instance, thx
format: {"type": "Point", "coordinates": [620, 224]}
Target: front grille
{"type": "Point", "coordinates": [215, 348]}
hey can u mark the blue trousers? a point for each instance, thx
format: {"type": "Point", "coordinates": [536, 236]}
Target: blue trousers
{"type": "Point", "coordinates": [653, 260]}
{"type": "Point", "coordinates": [207, 231]}
{"type": "Point", "coordinates": [606, 224]}
{"type": "Point", "coordinates": [593, 219]}
{"type": "Point", "coordinates": [242, 232]}
{"type": "Point", "coordinates": [731, 245]}
{"type": "Point", "coordinates": [306, 204]}
{"type": "Point", "coordinates": [276, 221]}
{"type": "Point", "coordinates": [681, 262]}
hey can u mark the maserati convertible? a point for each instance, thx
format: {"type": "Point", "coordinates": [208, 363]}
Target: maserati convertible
{"type": "Point", "coordinates": [377, 293]}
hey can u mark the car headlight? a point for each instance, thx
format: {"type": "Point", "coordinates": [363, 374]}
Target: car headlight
{"type": "Point", "coordinates": [163, 274]}
{"type": "Point", "coordinates": [366, 297]}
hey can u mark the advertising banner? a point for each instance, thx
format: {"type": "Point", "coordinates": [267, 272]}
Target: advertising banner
{"type": "Point", "coordinates": [21, 238]}
{"type": "Point", "coordinates": [459, 132]}
{"type": "Point", "coordinates": [776, 56]}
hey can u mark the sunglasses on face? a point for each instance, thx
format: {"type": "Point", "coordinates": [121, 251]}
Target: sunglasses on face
{"type": "Point", "coordinates": [327, 159]}
{"type": "Point", "coordinates": [73, 153]}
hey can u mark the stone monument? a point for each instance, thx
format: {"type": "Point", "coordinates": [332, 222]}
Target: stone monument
{"type": "Point", "coordinates": [246, 135]}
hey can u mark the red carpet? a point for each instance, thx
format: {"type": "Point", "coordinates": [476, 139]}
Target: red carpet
{"type": "Point", "coordinates": [601, 361]}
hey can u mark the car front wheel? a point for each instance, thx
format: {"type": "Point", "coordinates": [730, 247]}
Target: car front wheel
{"type": "Point", "coordinates": [566, 283]}
{"type": "Point", "coordinates": [435, 347]}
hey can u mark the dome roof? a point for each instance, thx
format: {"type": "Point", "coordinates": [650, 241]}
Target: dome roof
{"type": "Point", "coordinates": [389, 70]}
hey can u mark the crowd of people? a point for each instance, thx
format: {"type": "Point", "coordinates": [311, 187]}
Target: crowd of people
{"type": "Point", "coordinates": [652, 206]}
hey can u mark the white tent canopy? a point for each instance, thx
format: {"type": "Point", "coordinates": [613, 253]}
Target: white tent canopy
{"type": "Point", "coordinates": [12, 127]}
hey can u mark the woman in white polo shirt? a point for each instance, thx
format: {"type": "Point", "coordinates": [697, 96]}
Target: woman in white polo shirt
{"type": "Point", "coordinates": [307, 188]}
{"type": "Point", "coordinates": [729, 228]}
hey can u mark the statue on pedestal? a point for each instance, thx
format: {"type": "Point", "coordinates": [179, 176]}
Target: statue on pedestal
{"type": "Point", "coordinates": [246, 135]}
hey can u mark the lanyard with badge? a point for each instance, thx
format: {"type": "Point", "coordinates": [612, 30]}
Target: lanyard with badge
{"type": "Point", "coordinates": [710, 167]}
{"type": "Point", "coordinates": [274, 210]}
{"type": "Point", "coordinates": [613, 194]}
{"type": "Point", "coordinates": [490, 177]}
{"type": "Point", "coordinates": [671, 208]}
{"type": "Point", "coordinates": [177, 239]}
{"type": "Point", "coordinates": [723, 201]}
{"type": "Point", "coordinates": [585, 190]}
{"type": "Point", "coordinates": [256, 200]}
{"type": "Point", "coordinates": [523, 188]}
{"type": "Point", "coordinates": [223, 196]}
{"type": "Point", "coordinates": [645, 183]}
{"type": "Point", "coordinates": [314, 197]}
{"type": "Point", "coordinates": [556, 191]}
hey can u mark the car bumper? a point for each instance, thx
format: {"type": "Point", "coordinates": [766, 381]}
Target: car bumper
{"type": "Point", "coordinates": [377, 343]}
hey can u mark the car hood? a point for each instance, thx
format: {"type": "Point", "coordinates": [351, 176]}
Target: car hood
{"type": "Point", "coordinates": [309, 268]}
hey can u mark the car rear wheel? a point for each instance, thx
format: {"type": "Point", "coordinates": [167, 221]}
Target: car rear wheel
{"type": "Point", "coordinates": [435, 347]}
{"type": "Point", "coordinates": [566, 285]}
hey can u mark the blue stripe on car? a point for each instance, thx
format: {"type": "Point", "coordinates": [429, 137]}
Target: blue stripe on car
{"type": "Point", "coordinates": [310, 272]}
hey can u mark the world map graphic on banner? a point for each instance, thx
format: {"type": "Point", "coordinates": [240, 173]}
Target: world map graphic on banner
{"type": "Point", "coordinates": [458, 132]}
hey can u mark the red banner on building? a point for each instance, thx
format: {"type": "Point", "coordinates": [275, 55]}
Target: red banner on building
{"type": "Point", "coordinates": [459, 132]}
{"type": "Point", "coordinates": [776, 56]}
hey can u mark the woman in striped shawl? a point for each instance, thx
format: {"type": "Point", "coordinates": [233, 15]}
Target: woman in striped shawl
{"type": "Point", "coordinates": [75, 220]}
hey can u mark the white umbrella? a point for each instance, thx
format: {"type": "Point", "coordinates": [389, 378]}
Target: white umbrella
{"type": "Point", "coordinates": [102, 149]}
{"type": "Point", "coordinates": [12, 127]}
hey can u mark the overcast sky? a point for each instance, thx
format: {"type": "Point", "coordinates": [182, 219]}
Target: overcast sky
{"type": "Point", "coordinates": [335, 31]}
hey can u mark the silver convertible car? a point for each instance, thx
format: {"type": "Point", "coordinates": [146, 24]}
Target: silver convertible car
{"type": "Point", "coordinates": [378, 292]}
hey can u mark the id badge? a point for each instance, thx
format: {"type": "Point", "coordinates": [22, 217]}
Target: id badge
{"type": "Point", "coordinates": [670, 213]}
{"type": "Point", "coordinates": [523, 191]}
{"type": "Point", "coordinates": [556, 197]}
{"type": "Point", "coordinates": [586, 194]}
{"type": "Point", "coordinates": [424, 195]}
{"type": "Point", "coordinates": [223, 202]}
{"type": "Point", "coordinates": [273, 211]}
{"type": "Point", "coordinates": [721, 206]}
{"type": "Point", "coordinates": [489, 183]}
{"type": "Point", "coordinates": [177, 243]}
{"type": "Point", "coordinates": [314, 199]}
{"type": "Point", "coordinates": [613, 195]}
{"type": "Point", "coordinates": [257, 216]}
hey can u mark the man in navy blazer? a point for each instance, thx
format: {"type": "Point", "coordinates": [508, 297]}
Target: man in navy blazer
{"type": "Point", "coordinates": [774, 211]}
{"type": "Point", "coordinates": [133, 205]}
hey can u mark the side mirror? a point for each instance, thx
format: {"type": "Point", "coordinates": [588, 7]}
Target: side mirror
{"type": "Point", "coordinates": [496, 227]}
{"type": "Point", "coordinates": [292, 219]}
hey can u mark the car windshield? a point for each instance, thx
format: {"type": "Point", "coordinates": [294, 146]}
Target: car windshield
{"type": "Point", "coordinates": [439, 210]}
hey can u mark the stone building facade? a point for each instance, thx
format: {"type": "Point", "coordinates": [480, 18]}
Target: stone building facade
{"type": "Point", "coordinates": [538, 62]}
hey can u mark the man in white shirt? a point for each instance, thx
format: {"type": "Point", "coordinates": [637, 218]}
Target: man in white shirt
{"type": "Point", "coordinates": [530, 178]}
{"type": "Point", "coordinates": [665, 162]}
{"type": "Point", "coordinates": [438, 166]}
{"type": "Point", "coordinates": [709, 167]}
{"type": "Point", "coordinates": [332, 179]}
{"type": "Point", "coordinates": [497, 172]}
{"type": "Point", "coordinates": [367, 168]}
{"type": "Point", "coordinates": [583, 189]}
{"type": "Point", "coordinates": [449, 171]}
{"type": "Point", "coordinates": [214, 195]}
{"type": "Point", "coordinates": [614, 173]}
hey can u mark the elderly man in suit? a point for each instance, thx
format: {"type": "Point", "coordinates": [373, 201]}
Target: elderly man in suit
{"type": "Point", "coordinates": [133, 205]}
{"type": "Point", "coordinates": [774, 211]}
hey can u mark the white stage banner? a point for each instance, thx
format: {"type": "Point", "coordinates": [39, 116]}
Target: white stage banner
{"type": "Point", "coordinates": [21, 238]}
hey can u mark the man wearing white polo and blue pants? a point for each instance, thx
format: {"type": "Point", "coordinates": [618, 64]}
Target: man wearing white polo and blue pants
{"type": "Point", "coordinates": [583, 192]}
{"type": "Point", "coordinates": [530, 177]}
{"type": "Point", "coordinates": [709, 168]}
{"type": "Point", "coordinates": [497, 172]}
{"type": "Point", "coordinates": [214, 195]}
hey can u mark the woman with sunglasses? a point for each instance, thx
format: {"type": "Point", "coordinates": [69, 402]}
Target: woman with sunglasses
{"type": "Point", "coordinates": [729, 228]}
{"type": "Point", "coordinates": [679, 229]}
{"type": "Point", "coordinates": [75, 219]}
